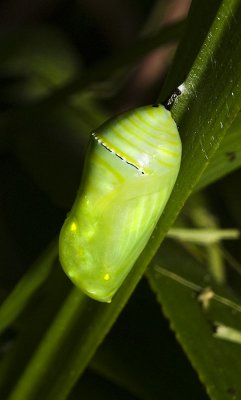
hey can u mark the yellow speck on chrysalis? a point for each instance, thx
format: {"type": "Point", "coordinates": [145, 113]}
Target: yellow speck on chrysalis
{"type": "Point", "coordinates": [106, 277]}
{"type": "Point", "coordinates": [73, 227]}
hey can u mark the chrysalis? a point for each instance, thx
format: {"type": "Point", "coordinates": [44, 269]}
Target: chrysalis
{"type": "Point", "coordinates": [130, 170]}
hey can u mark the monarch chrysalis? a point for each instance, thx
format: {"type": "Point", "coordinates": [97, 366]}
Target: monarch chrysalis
{"type": "Point", "coordinates": [130, 170]}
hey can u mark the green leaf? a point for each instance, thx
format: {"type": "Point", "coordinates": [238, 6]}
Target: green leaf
{"type": "Point", "coordinates": [31, 323]}
{"type": "Point", "coordinates": [177, 281]}
{"type": "Point", "coordinates": [140, 353]}
{"type": "Point", "coordinates": [26, 287]}
{"type": "Point", "coordinates": [228, 156]}
{"type": "Point", "coordinates": [200, 18]}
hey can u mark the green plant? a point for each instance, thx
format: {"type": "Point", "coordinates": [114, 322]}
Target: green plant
{"type": "Point", "coordinates": [54, 329]}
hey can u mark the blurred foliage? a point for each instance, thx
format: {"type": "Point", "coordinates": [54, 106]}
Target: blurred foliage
{"type": "Point", "coordinates": [66, 66]}
{"type": "Point", "coordinates": [33, 61]}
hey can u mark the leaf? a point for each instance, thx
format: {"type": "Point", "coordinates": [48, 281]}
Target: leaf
{"type": "Point", "coordinates": [26, 287]}
{"type": "Point", "coordinates": [227, 158]}
{"type": "Point", "coordinates": [140, 353]}
{"type": "Point", "coordinates": [177, 281]}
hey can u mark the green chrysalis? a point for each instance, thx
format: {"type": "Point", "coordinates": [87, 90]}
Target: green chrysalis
{"type": "Point", "coordinates": [130, 170]}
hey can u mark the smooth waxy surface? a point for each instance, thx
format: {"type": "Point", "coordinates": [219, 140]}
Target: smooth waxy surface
{"type": "Point", "coordinates": [130, 170]}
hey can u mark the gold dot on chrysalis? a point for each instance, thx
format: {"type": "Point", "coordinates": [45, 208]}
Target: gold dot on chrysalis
{"type": "Point", "coordinates": [73, 227]}
{"type": "Point", "coordinates": [106, 277]}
